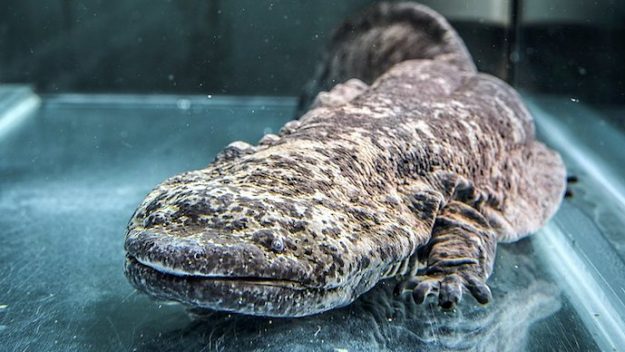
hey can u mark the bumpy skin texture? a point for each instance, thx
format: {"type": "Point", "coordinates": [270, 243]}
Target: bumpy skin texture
{"type": "Point", "coordinates": [416, 176]}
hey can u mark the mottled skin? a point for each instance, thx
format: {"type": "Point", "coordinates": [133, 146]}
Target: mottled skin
{"type": "Point", "coordinates": [417, 176]}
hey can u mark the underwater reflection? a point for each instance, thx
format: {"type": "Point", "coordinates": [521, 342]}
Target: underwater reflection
{"type": "Point", "coordinates": [381, 321]}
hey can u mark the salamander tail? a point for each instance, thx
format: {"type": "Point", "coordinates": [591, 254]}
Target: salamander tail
{"type": "Point", "coordinates": [385, 34]}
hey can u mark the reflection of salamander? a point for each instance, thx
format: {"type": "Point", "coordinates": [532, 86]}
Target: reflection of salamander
{"type": "Point", "coordinates": [427, 168]}
{"type": "Point", "coordinates": [379, 321]}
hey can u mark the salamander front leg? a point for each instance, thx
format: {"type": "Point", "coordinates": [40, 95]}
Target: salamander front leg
{"type": "Point", "coordinates": [460, 256]}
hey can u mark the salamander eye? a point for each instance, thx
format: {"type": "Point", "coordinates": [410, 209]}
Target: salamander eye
{"type": "Point", "coordinates": [270, 240]}
{"type": "Point", "coordinates": [277, 245]}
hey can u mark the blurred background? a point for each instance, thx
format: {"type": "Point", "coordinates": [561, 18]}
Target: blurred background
{"type": "Point", "coordinates": [252, 47]}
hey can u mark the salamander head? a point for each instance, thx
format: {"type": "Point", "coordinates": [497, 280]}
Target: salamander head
{"type": "Point", "coordinates": [243, 243]}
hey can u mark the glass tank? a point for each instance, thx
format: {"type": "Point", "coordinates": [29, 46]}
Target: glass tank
{"type": "Point", "coordinates": [102, 101]}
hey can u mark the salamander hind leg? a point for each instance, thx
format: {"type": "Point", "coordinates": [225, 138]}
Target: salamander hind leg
{"type": "Point", "coordinates": [460, 256]}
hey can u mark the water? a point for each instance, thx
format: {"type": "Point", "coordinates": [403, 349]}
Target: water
{"type": "Point", "coordinates": [592, 148]}
{"type": "Point", "coordinates": [72, 173]}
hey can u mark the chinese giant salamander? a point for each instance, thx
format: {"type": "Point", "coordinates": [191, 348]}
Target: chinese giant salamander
{"type": "Point", "coordinates": [413, 166]}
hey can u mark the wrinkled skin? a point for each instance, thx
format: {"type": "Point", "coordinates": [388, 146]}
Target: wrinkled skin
{"type": "Point", "coordinates": [417, 175]}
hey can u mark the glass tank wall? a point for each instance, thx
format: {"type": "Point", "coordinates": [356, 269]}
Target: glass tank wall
{"type": "Point", "coordinates": [100, 101]}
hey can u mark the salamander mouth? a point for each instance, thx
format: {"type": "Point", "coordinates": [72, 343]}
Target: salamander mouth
{"type": "Point", "coordinates": [245, 295]}
{"type": "Point", "coordinates": [242, 280]}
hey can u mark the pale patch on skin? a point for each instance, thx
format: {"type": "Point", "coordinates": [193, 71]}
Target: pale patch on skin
{"type": "Point", "coordinates": [418, 176]}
